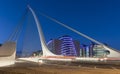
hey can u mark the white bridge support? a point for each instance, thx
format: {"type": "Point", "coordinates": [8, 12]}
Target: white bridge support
{"type": "Point", "coordinates": [46, 51]}
{"type": "Point", "coordinates": [7, 54]}
{"type": "Point", "coordinates": [113, 53]}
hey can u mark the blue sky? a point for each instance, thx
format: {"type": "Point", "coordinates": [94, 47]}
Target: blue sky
{"type": "Point", "coordinates": [99, 19]}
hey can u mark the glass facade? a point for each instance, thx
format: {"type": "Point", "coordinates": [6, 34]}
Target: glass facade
{"type": "Point", "coordinates": [55, 46]}
{"type": "Point", "coordinates": [67, 46]}
{"type": "Point", "coordinates": [64, 45]}
{"type": "Point", "coordinates": [83, 47]}
{"type": "Point", "coordinates": [99, 51]}
{"type": "Point", "coordinates": [86, 50]}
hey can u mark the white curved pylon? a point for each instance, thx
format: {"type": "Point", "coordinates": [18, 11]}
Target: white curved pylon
{"type": "Point", "coordinates": [46, 51]}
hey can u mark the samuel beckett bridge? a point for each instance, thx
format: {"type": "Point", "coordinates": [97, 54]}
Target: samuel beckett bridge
{"type": "Point", "coordinates": [30, 26]}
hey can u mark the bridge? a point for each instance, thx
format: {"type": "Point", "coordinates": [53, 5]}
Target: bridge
{"type": "Point", "coordinates": [41, 40]}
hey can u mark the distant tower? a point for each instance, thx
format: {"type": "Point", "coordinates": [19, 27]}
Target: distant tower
{"type": "Point", "coordinates": [83, 49]}
{"type": "Point", "coordinates": [91, 49]}
{"type": "Point", "coordinates": [77, 47]}
{"type": "Point", "coordinates": [87, 51]}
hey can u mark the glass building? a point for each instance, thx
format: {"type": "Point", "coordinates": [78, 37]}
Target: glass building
{"type": "Point", "coordinates": [83, 51]}
{"type": "Point", "coordinates": [54, 46]}
{"type": "Point", "coordinates": [99, 51]}
{"type": "Point", "coordinates": [86, 50]}
{"type": "Point", "coordinates": [64, 45]}
{"type": "Point", "coordinates": [67, 46]}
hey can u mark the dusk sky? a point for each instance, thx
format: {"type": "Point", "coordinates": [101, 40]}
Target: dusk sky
{"type": "Point", "coordinates": [99, 19]}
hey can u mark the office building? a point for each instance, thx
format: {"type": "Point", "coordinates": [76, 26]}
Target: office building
{"type": "Point", "coordinates": [64, 45]}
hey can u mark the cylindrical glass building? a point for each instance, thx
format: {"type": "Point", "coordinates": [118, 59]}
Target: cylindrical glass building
{"type": "Point", "coordinates": [67, 46]}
